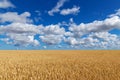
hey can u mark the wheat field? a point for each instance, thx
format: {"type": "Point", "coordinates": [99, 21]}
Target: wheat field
{"type": "Point", "coordinates": [60, 65]}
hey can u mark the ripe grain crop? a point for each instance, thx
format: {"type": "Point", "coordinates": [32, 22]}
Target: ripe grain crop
{"type": "Point", "coordinates": [60, 65]}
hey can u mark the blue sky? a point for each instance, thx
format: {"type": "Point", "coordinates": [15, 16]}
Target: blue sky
{"type": "Point", "coordinates": [59, 24]}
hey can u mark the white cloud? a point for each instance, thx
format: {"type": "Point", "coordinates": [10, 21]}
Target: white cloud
{"type": "Point", "coordinates": [106, 40]}
{"type": "Point", "coordinates": [20, 40]}
{"type": "Point", "coordinates": [51, 39]}
{"type": "Point", "coordinates": [115, 14]}
{"type": "Point", "coordinates": [15, 17]}
{"type": "Point", "coordinates": [6, 4]}
{"type": "Point", "coordinates": [57, 7]}
{"type": "Point", "coordinates": [52, 34]}
{"type": "Point", "coordinates": [19, 28]}
{"type": "Point", "coordinates": [84, 35]}
{"type": "Point", "coordinates": [23, 40]}
{"type": "Point", "coordinates": [95, 26]}
{"type": "Point", "coordinates": [75, 10]}
{"type": "Point", "coordinates": [20, 34]}
{"type": "Point", "coordinates": [71, 41]}
{"type": "Point", "coordinates": [95, 34]}
{"type": "Point", "coordinates": [54, 29]}
{"type": "Point", "coordinates": [97, 40]}
{"type": "Point", "coordinates": [23, 34]}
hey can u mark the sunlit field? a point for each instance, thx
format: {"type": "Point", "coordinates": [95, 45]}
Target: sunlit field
{"type": "Point", "coordinates": [60, 65]}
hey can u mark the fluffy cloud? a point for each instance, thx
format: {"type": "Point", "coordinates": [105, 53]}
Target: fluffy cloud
{"type": "Point", "coordinates": [15, 17]}
{"type": "Point", "coordinates": [57, 7]}
{"type": "Point", "coordinates": [95, 26]}
{"type": "Point", "coordinates": [20, 34]}
{"type": "Point", "coordinates": [71, 41]}
{"type": "Point", "coordinates": [52, 34]}
{"type": "Point", "coordinates": [23, 40]}
{"type": "Point", "coordinates": [105, 40]}
{"type": "Point", "coordinates": [51, 39]}
{"type": "Point", "coordinates": [53, 29]}
{"type": "Point", "coordinates": [95, 34]}
{"type": "Point", "coordinates": [19, 28]}
{"type": "Point", "coordinates": [97, 40]}
{"type": "Point", "coordinates": [23, 34]}
{"type": "Point", "coordinates": [6, 4]}
{"type": "Point", "coordinates": [20, 31]}
{"type": "Point", "coordinates": [74, 10]}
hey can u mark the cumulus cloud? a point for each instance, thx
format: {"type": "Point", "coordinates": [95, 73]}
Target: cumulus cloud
{"type": "Point", "coordinates": [23, 34]}
{"type": "Point", "coordinates": [20, 34]}
{"type": "Point", "coordinates": [53, 29]}
{"type": "Point", "coordinates": [15, 17]}
{"type": "Point", "coordinates": [19, 28]}
{"type": "Point", "coordinates": [56, 9]}
{"type": "Point", "coordinates": [104, 40]}
{"type": "Point", "coordinates": [95, 34]}
{"type": "Point", "coordinates": [23, 40]}
{"type": "Point", "coordinates": [51, 39]}
{"type": "Point", "coordinates": [95, 26]}
{"type": "Point", "coordinates": [97, 40]}
{"type": "Point", "coordinates": [6, 4]}
{"type": "Point", "coordinates": [52, 34]}
{"type": "Point", "coordinates": [75, 10]}
{"type": "Point", "coordinates": [71, 41]}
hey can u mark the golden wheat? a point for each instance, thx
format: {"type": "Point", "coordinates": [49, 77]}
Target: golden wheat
{"type": "Point", "coordinates": [60, 65]}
